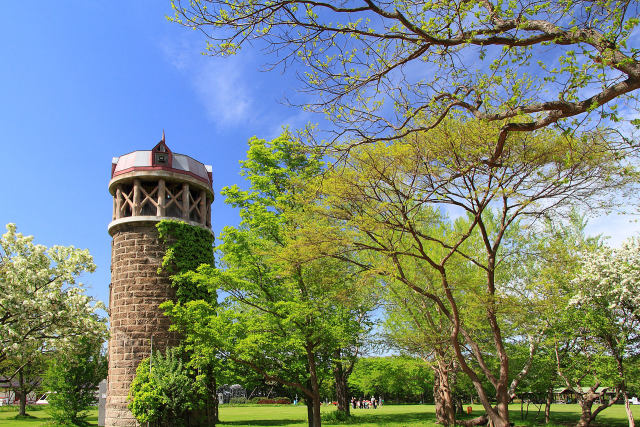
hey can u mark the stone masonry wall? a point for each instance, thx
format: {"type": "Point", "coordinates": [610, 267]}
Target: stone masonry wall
{"type": "Point", "coordinates": [136, 291]}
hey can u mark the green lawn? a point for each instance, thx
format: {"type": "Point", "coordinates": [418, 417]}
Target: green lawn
{"type": "Point", "coordinates": [405, 415]}
{"type": "Point", "coordinates": [388, 415]}
{"type": "Point", "coordinates": [38, 417]}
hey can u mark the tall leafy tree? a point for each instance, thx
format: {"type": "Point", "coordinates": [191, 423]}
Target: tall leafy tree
{"type": "Point", "coordinates": [582, 365]}
{"type": "Point", "coordinates": [25, 376]}
{"type": "Point", "coordinates": [391, 196]}
{"type": "Point", "coordinates": [572, 353]}
{"type": "Point", "coordinates": [415, 325]}
{"type": "Point", "coordinates": [73, 377]}
{"type": "Point", "coordinates": [551, 260]}
{"type": "Point", "coordinates": [282, 314]}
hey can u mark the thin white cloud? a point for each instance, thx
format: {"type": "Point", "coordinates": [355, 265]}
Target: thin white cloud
{"type": "Point", "coordinates": [219, 83]}
{"type": "Point", "coordinates": [220, 86]}
{"type": "Point", "coordinates": [179, 52]}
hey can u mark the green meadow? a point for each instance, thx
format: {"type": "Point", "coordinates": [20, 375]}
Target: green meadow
{"type": "Point", "coordinates": [388, 415]}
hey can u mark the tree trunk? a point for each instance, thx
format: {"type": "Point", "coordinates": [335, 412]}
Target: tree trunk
{"type": "Point", "coordinates": [309, 403]}
{"type": "Point", "coordinates": [23, 394]}
{"type": "Point", "coordinates": [502, 393]}
{"type": "Point", "coordinates": [314, 418]}
{"type": "Point", "coordinates": [214, 418]}
{"type": "Point", "coordinates": [586, 403]}
{"type": "Point", "coordinates": [315, 388]}
{"type": "Point", "coordinates": [23, 404]}
{"type": "Point", "coordinates": [623, 386]}
{"type": "Point", "coordinates": [441, 415]}
{"type": "Point", "coordinates": [499, 415]}
{"type": "Point", "coordinates": [340, 378]}
{"type": "Point", "coordinates": [627, 407]}
{"type": "Point", "coordinates": [317, 418]}
{"type": "Point", "coordinates": [547, 406]}
{"type": "Point", "coordinates": [445, 411]}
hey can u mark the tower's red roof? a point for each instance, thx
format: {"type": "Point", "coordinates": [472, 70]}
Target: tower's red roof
{"type": "Point", "coordinates": [144, 160]}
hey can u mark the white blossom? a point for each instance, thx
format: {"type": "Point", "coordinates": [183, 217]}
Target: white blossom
{"type": "Point", "coordinates": [609, 284]}
{"type": "Point", "coordinates": [40, 303]}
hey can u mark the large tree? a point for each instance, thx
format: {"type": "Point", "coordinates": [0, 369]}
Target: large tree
{"type": "Point", "coordinates": [607, 300]}
{"type": "Point", "coordinates": [415, 324]}
{"type": "Point", "coordinates": [281, 315]}
{"type": "Point", "coordinates": [42, 306]}
{"type": "Point", "coordinates": [546, 269]}
{"type": "Point", "coordinates": [392, 195]}
{"type": "Point", "coordinates": [378, 68]}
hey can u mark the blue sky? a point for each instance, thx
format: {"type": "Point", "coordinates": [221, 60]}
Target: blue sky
{"type": "Point", "coordinates": [87, 81]}
{"type": "Point", "coordinates": [83, 81]}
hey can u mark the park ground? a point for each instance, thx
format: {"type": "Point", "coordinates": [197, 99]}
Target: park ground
{"type": "Point", "coordinates": [388, 415]}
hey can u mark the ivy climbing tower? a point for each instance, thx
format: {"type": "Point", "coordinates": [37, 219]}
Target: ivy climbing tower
{"type": "Point", "coordinates": [147, 186]}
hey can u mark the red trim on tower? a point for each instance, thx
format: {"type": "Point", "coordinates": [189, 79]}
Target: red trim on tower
{"type": "Point", "coordinates": [164, 168]}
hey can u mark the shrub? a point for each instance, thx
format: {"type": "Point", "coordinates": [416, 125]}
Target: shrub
{"type": "Point", "coordinates": [165, 393]}
{"type": "Point", "coordinates": [336, 417]}
{"type": "Point", "coordinates": [275, 401]}
{"type": "Point", "coordinates": [73, 377]}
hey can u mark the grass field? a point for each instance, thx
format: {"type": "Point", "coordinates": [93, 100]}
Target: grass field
{"type": "Point", "coordinates": [38, 416]}
{"type": "Point", "coordinates": [388, 415]}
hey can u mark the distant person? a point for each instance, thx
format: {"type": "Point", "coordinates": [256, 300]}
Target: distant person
{"type": "Point", "coordinates": [373, 402]}
{"type": "Point", "coordinates": [353, 402]}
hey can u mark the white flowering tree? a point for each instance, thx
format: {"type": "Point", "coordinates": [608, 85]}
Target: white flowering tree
{"type": "Point", "coordinates": [608, 294]}
{"type": "Point", "coordinates": [42, 306]}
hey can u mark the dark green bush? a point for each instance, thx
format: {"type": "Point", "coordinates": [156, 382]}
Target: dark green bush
{"type": "Point", "coordinates": [336, 417]}
{"type": "Point", "coordinates": [166, 393]}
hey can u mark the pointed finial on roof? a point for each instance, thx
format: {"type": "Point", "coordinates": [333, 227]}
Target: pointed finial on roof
{"type": "Point", "coordinates": [162, 140]}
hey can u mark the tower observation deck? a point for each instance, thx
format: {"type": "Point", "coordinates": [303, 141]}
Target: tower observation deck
{"type": "Point", "coordinates": [156, 184]}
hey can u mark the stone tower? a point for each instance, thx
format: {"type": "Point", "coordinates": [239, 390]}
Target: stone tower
{"type": "Point", "coordinates": [147, 186]}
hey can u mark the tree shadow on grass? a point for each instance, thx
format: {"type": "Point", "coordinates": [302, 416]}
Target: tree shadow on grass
{"type": "Point", "coordinates": [568, 419]}
{"type": "Point", "coordinates": [25, 419]}
{"type": "Point", "coordinates": [559, 419]}
{"type": "Point", "coordinates": [379, 419]}
{"type": "Point", "coordinates": [385, 419]}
